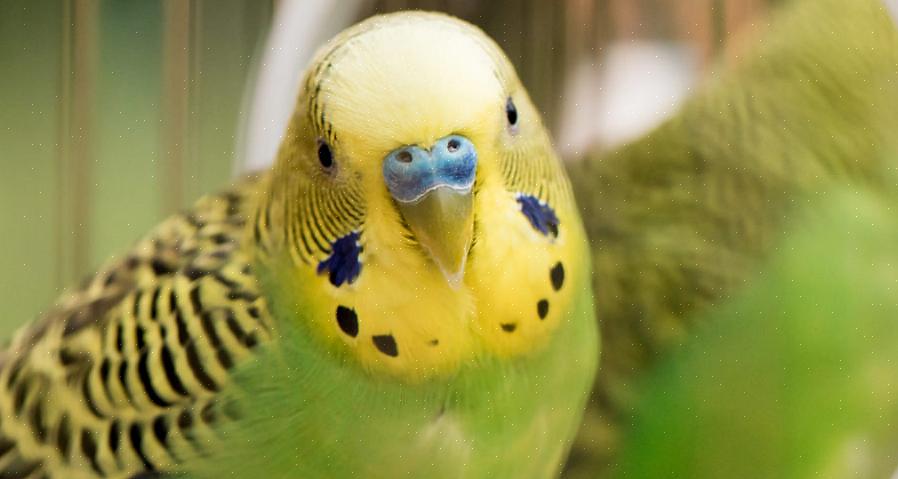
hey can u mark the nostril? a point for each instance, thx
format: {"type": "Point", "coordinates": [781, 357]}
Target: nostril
{"type": "Point", "coordinates": [453, 145]}
{"type": "Point", "coordinates": [404, 157]}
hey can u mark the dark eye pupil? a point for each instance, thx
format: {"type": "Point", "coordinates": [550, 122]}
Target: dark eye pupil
{"type": "Point", "coordinates": [324, 155]}
{"type": "Point", "coordinates": [511, 112]}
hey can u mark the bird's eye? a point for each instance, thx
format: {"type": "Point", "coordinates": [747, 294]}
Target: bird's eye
{"type": "Point", "coordinates": [325, 156]}
{"type": "Point", "coordinates": [511, 112]}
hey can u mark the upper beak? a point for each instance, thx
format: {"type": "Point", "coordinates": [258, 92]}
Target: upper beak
{"type": "Point", "coordinates": [433, 190]}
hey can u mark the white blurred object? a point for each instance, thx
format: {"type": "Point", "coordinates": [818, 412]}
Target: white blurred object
{"type": "Point", "coordinates": [892, 7]}
{"type": "Point", "coordinates": [298, 28]}
{"type": "Point", "coordinates": [639, 85]}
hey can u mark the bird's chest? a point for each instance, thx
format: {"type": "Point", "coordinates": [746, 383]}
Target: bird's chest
{"type": "Point", "coordinates": [316, 410]}
{"type": "Point", "coordinates": [494, 418]}
{"type": "Point", "coordinates": [308, 417]}
{"type": "Point", "coordinates": [510, 419]}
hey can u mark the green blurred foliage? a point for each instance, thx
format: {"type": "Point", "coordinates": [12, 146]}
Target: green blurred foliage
{"type": "Point", "coordinates": [796, 377]}
{"type": "Point", "coordinates": [30, 36]}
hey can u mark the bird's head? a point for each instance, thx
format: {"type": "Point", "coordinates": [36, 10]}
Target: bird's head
{"type": "Point", "coordinates": [416, 209]}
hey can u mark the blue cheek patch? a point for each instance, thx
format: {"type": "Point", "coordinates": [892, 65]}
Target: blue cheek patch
{"type": "Point", "coordinates": [343, 265]}
{"type": "Point", "coordinates": [541, 216]}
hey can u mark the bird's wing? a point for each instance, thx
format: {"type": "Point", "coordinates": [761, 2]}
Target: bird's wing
{"type": "Point", "coordinates": [122, 376]}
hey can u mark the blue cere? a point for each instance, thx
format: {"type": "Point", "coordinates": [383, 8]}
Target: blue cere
{"type": "Point", "coordinates": [540, 215]}
{"type": "Point", "coordinates": [343, 264]}
{"type": "Point", "coordinates": [411, 172]}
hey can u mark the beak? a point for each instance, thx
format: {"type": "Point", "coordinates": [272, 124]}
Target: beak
{"type": "Point", "coordinates": [433, 190]}
{"type": "Point", "coordinates": [443, 222]}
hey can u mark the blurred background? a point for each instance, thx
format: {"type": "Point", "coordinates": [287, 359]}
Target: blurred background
{"type": "Point", "coordinates": [115, 113]}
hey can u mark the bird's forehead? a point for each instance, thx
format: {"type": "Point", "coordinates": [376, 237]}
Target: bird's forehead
{"type": "Point", "coordinates": [410, 82]}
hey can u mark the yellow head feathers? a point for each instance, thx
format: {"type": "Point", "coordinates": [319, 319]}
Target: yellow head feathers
{"type": "Point", "coordinates": [405, 79]}
{"type": "Point", "coordinates": [415, 147]}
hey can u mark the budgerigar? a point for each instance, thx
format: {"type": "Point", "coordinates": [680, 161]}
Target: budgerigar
{"type": "Point", "coordinates": [405, 294]}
